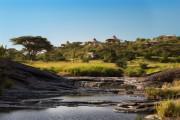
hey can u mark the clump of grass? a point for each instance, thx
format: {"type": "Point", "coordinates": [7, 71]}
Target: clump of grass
{"type": "Point", "coordinates": [167, 91]}
{"type": "Point", "coordinates": [169, 109]}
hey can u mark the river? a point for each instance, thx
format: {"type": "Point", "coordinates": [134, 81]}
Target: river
{"type": "Point", "coordinates": [80, 112]}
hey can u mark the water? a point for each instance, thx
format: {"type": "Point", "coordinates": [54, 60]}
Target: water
{"type": "Point", "coordinates": [101, 97]}
{"type": "Point", "coordinates": [74, 113]}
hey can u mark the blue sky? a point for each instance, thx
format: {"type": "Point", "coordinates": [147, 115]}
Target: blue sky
{"type": "Point", "coordinates": [82, 20]}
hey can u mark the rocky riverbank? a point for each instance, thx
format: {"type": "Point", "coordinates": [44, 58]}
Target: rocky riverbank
{"type": "Point", "coordinates": [28, 82]}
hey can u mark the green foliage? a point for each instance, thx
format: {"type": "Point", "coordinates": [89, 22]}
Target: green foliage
{"type": "Point", "coordinates": [177, 59]}
{"type": "Point", "coordinates": [85, 59]}
{"type": "Point", "coordinates": [53, 55]}
{"type": "Point", "coordinates": [143, 65]}
{"type": "Point", "coordinates": [121, 63]}
{"type": "Point", "coordinates": [134, 72]}
{"type": "Point", "coordinates": [32, 45]}
{"type": "Point", "coordinates": [164, 59]}
{"type": "Point", "coordinates": [78, 68]}
{"type": "Point", "coordinates": [110, 56]}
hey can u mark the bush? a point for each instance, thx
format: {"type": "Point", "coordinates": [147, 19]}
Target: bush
{"type": "Point", "coordinates": [169, 109]}
{"type": "Point", "coordinates": [177, 59]}
{"type": "Point", "coordinates": [164, 59]}
{"type": "Point", "coordinates": [143, 65]}
{"type": "Point", "coordinates": [85, 59]}
{"type": "Point", "coordinates": [134, 72]}
{"type": "Point", "coordinates": [121, 63]}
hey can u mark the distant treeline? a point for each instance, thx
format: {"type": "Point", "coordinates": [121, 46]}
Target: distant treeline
{"type": "Point", "coordinates": [163, 48]}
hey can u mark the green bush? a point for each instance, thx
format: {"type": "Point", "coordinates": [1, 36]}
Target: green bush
{"type": "Point", "coordinates": [143, 65]}
{"type": "Point", "coordinates": [85, 59]}
{"type": "Point", "coordinates": [134, 72]}
{"type": "Point", "coordinates": [164, 59]}
{"type": "Point", "coordinates": [121, 63]}
{"type": "Point", "coordinates": [177, 59]}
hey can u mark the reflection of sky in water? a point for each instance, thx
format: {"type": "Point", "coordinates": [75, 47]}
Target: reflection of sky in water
{"type": "Point", "coordinates": [115, 98]}
{"type": "Point", "coordinates": [68, 113]}
{"type": "Point", "coordinates": [74, 113]}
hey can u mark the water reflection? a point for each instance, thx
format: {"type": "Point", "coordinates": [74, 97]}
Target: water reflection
{"type": "Point", "coordinates": [68, 113]}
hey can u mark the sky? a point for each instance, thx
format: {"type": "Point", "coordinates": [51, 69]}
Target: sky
{"type": "Point", "coordinates": [83, 20]}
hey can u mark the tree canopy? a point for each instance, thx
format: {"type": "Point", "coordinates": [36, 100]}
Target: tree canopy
{"type": "Point", "coordinates": [32, 45]}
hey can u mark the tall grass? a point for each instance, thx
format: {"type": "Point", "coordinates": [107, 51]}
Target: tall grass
{"type": "Point", "coordinates": [93, 68]}
{"type": "Point", "coordinates": [167, 91]}
{"type": "Point", "coordinates": [169, 109]}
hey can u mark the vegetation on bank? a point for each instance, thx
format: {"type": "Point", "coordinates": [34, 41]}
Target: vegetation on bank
{"type": "Point", "coordinates": [134, 68]}
{"type": "Point", "coordinates": [169, 107]}
{"type": "Point", "coordinates": [169, 110]}
{"type": "Point", "coordinates": [168, 91]}
{"type": "Point", "coordinates": [93, 68]}
{"type": "Point", "coordinates": [156, 54]}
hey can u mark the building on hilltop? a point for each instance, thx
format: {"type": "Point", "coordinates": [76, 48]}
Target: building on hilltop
{"type": "Point", "coordinates": [94, 42]}
{"type": "Point", "coordinates": [114, 39]}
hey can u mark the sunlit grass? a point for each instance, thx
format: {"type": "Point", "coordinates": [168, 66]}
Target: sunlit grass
{"type": "Point", "coordinates": [153, 66]}
{"type": "Point", "coordinates": [93, 68]}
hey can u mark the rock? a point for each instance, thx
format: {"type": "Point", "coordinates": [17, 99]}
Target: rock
{"type": "Point", "coordinates": [151, 117]}
{"type": "Point", "coordinates": [158, 79]}
{"type": "Point", "coordinates": [29, 82]}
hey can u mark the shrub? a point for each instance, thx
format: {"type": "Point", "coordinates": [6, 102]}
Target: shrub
{"type": "Point", "coordinates": [164, 59]}
{"type": "Point", "coordinates": [121, 63]}
{"type": "Point", "coordinates": [143, 65]}
{"type": "Point", "coordinates": [134, 72]}
{"type": "Point", "coordinates": [85, 59]}
{"type": "Point", "coordinates": [177, 59]}
{"type": "Point", "coordinates": [169, 109]}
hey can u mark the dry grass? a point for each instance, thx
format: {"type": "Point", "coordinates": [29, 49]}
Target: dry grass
{"type": "Point", "coordinates": [167, 91]}
{"type": "Point", "coordinates": [169, 109]}
{"type": "Point", "coordinates": [93, 68]}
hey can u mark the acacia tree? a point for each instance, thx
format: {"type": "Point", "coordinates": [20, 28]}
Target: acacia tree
{"type": "Point", "coordinates": [32, 45]}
